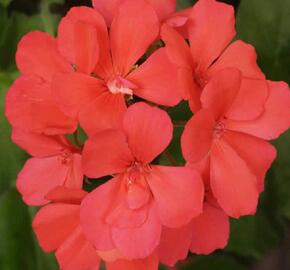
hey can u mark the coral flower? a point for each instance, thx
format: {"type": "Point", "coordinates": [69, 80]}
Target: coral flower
{"type": "Point", "coordinates": [57, 227]}
{"type": "Point", "coordinates": [211, 28]}
{"type": "Point", "coordinates": [129, 210]}
{"type": "Point", "coordinates": [97, 100]}
{"type": "Point", "coordinates": [233, 150]}
{"type": "Point", "coordinates": [55, 163]}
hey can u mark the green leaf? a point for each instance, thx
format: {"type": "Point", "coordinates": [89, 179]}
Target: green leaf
{"type": "Point", "coordinates": [265, 24]}
{"type": "Point", "coordinates": [181, 4]}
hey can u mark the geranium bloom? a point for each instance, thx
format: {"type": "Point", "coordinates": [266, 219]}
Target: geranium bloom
{"type": "Point", "coordinates": [165, 10]}
{"type": "Point", "coordinates": [129, 210]}
{"type": "Point", "coordinates": [57, 227]}
{"type": "Point", "coordinates": [203, 235]}
{"type": "Point", "coordinates": [211, 28]}
{"type": "Point", "coordinates": [98, 100]}
{"type": "Point", "coordinates": [55, 162]}
{"type": "Point", "coordinates": [232, 149]}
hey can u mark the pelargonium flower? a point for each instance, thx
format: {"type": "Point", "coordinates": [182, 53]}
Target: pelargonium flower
{"type": "Point", "coordinates": [128, 211]}
{"type": "Point", "coordinates": [234, 151]}
{"type": "Point", "coordinates": [211, 28]}
{"type": "Point", "coordinates": [98, 100]}
{"type": "Point", "coordinates": [55, 162]}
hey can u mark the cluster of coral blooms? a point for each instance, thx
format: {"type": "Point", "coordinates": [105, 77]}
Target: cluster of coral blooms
{"type": "Point", "coordinates": [113, 70]}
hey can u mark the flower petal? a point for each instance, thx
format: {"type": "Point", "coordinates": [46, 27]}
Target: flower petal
{"type": "Point", "coordinates": [163, 8]}
{"type": "Point", "coordinates": [149, 131]}
{"type": "Point", "coordinates": [242, 56]}
{"type": "Point", "coordinates": [175, 184]}
{"type": "Point", "coordinates": [153, 79]}
{"type": "Point", "coordinates": [139, 242]}
{"type": "Point", "coordinates": [75, 175]}
{"type": "Point", "coordinates": [77, 253]}
{"type": "Point", "coordinates": [233, 184]}
{"type": "Point", "coordinates": [276, 118]}
{"type": "Point", "coordinates": [72, 92]}
{"type": "Point", "coordinates": [174, 244]}
{"type": "Point", "coordinates": [257, 153]}
{"type": "Point", "coordinates": [131, 35]}
{"type": "Point", "coordinates": [210, 231]}
{"type": "Point", "coordinates": [37, 54]}
{"type": "Point", "coordinates": [197, 136]}
{"type": "Point", "coordinates": [107, 110]}
{"type": "Point", "coordinates": [54, 223]}
{"type": "Point", "coordinates": [109, 150]}
{"type": "Point", "coordinates": [30, 106]}
{"type": "Point", "coordinates": [211, 28]}
{"type": "Point", "coordinates": [38, 177]}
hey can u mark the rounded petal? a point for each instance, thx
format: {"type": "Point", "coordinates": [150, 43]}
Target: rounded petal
{"type": "Point", "coordinates": [197, 136]}
{"type": "Point", "coordinates": [74, 91]}
{"type": "Point", "coordinates": [39, 145]}
{"type": "Point", "coordinates": [149, 263]}
{"type": "Point", "coordinates": [221, 91]}
{"type": "Point", "coordinates": [109, 150]}
{"type": "Point", "coordinates": [38, 177]}
{"type": "Point", "coordinates": [29, 105]}
{"type": "Point", "coordinates": [276, 118]}
{"type": "Point", "coordinates": [154, 80]}
{"type": "Point", "coordinates": [211, 28]}
{"type": "Point", "coordinates": [210, 231]}
{"type": "Point", "coordinates": [77, 253]}
{"type": "Point", "coordinates": [37, 54]}
{"type": "Point", "coordinates": [175, 184]}
{"type": "Point", "coordinates": [242, 56]}
{"type": "Point", "coordinates": [163, 8]}
{"type": "Point", "coordinates": [139, 242]}
{"type": "Point", "coordinates": [257, 153]}
{"type": "Point", "coordinates": [54, 223]}
{"type": "Point", "coordinates": [233, 184]}
{"type": "Point", "coordinates": [107, 111]}
{"type": "Point", "coordinates": [132, 35]}
{"type": "Point", "coordinates": [74, 179]}
{"type": "Point", "coordinates": [71, 41]}
{"type": "Point", "coordinates": [94, 209]}
{"type": "Point", "coordinates": [148, 129]}
{"type": "Point", "coordinates": [62, 194]}
{"type": "Point", "coordinates": [174, 244]}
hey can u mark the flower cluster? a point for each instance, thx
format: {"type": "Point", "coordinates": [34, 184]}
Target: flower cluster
{"type": "Point", "coordinates": [112, 72]}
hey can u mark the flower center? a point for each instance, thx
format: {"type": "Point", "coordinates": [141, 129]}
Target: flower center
{"type": "Point", "coordinates": [119, 85]}
{"type": "Point", "coordinates": [65, 157]}
{"type": "Point", "coordinates": [219, 129]}
{"type": "Point", "coordinates": [200, 78]}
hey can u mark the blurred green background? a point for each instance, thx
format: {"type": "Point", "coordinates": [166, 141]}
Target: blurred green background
{"type": "Point", "coordinates": [260, 242]}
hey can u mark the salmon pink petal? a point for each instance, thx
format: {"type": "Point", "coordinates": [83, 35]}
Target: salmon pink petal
{"type": "Point", "coordinates": [242, 56]}
{"type": "Point", "coordinates": [39, 145]}
{"type": "Point", "coordinates": [250, 100]}
{"type": "Point", "coordinates": [54, 223]}
{"type": "Point", "coordinates": [30, 106]}
{"type": "Point", "coordinates": [132, 35]}
{"type": "Point", "coordinates": [107, 8]}
{"type": "Point", "coordinates": [76, 253]}
{"type": "Point", "coordinates": [197, 136]}
{"type": "Point", "coordinates": [75, 175]}
{"type": "Point", "coordinates": [176, 47]}
{"type": "Point", "coordinates": [163, 8]}
{"type": "Point", "coordinates": [211, 28]}
{"type": "Point", "coordinates": [175, 184]}
{"type": "Point", "coordinates": [210, 230]}
{"type": "Point", "coordinates": [63, 194]}
{"type": "Point", "coordinates": [153, 79]}
{"type": "Point", "coordinates": [221, 91]}
{"type": "Point", "coordinates": [110, 256]}
{"type": "Point", "coordinates": [109, 150]}
{"type": "Point", "coordinates": [94, 209]}
{"type": "Point", "coordinates": [174, 244]}
{"type": "Point", "coordinates": [149, 263]}
{"type": "Point", "coordinates": [276, 118]}
{"type": "Point", "coordinates": [233, 183]}
{"type": "Point", "coordinates": [107, 110]}
{"type": "Point", "coordinates": [257, 153]}
{"type": "Point", "coordinates": [72, 41]}
{"type": "Point", "coordinates": [38, 177]}
{"type": "Point", "coordinates": [72, 92]}
{"type": "Point", "coordinates": [137, 196]}
{"type": "Point", "coordinates": [139, 242]}
{"type": "Point", "coordinates": [37, 54]}
{"type": "Point", "coordinates": [149, 131]}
